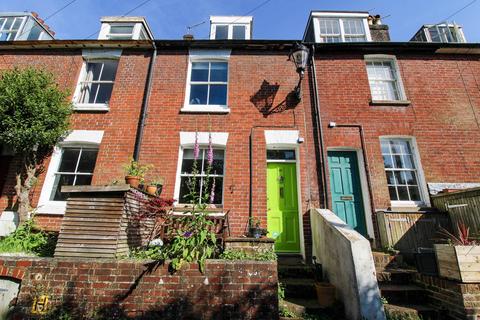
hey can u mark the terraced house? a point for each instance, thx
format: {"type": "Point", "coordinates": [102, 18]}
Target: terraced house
{"type": "Point", "coordinates": [352, 122]}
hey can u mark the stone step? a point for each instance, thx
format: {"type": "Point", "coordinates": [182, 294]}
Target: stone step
{"type": "Point", "coordinates": [403, 294]}
{"type": "Point", "coordinates": [396, 276]}
{"type": "Point", "coordinates": [384, 260]}
{"type": "Point", "coordinates": [301, 306]}
{"type": "Point", "coordinates": [290, 260]}
{"type": "Point", "coordinates": [411, 311]}
{"type": "Point", "coordinates": [296, 271]}
{"type": "Point", "coordinates": [299, 288]}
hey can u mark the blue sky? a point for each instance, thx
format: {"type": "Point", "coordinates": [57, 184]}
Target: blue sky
{"type": "Point", "coordinates": [278, 19]}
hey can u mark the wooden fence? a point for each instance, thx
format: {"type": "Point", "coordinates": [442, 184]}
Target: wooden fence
{"type": "Point", "coordinates": [407, 231]}
{"type": "Point", "coordinates": [462, 206]}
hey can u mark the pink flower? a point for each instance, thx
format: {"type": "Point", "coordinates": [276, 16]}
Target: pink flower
{"type": "Point", "coordinates": [212, 193]}
{"type": "Point", "coordinates": [196, 147]}
{"type": "Point", "coordinates": [210, 150]}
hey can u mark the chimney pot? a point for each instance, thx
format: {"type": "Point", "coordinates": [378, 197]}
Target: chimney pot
{"type": "Point", "coordinates": [188, 37]}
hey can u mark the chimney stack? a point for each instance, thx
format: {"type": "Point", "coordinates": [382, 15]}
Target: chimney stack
{"type": "Point", "coordinates": [378, 31]}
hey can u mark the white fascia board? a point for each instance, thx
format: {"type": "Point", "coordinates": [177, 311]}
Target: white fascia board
{"type": "Point", "coordinates": [219, 139]}
{"type": "Point", "coordinates": [231, 19]}
{"type": "Point", "coordinates": [341, 14]}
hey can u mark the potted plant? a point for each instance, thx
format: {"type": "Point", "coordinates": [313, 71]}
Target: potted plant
{"type": "Point", "coordinates": [325, 290]}
{"type": "Point", "coordinates": [155, 186]}
{"type": "Point", "coordinates": [459, 258]}
{"type": "Point", "coordinates": [135, 172]}
{"type": "Point", "coordinates": [255, 230]}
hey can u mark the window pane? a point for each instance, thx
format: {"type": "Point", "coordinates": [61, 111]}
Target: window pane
{"type": "Point", "coordinates": [400, 146]}
{"type": "Point", "coordinates": [403, 193]}
{"type": "Point", "coordinates": [393, 193]}
{"type": "Point", "coordinates": [198, 94]}
{"type": "Point", "coordinates": [218, 192]}
{"type": "Point", "coordinates": [400, 178]}
{"type": "Point", "coordinates": [390, 179]}
{"type": "Point", "coordinates": [89, 92]}
{"type": "Point", "coordinates": [238, 32]}
{"type": "Point", "coordinates": [187, 162]}
{"type": "Point", "coordinates": [87, 161]}
{"type": "Point", "coordinates": [83, 180]}
{"type": "Point", "coordinates": [217, 165]}
{"type": "Point", "coordinates": [18, 22]}
{"type": "Point", "coordinates": [121, 29]}
{"type": "Point", "coordinates": [408, 162]}
{"type": "Point", "coordinates": [281, 154]}
{"type": "Point", "coordinates": [218, 94]}
{"type": "Point", "coordinates": [184, 195]}
{"type": "Point", "coordinates": [353, 26]}
{"type": "Point", "coordinates": [387, 161]}
{"type": "Point", "coordinates": [199, 71]}
{"type": "Point", "coordinates": [61, 180]}
{"type": "Point", "coordinates": [221, 32]}
{"type": "Point", "coordinates": [69, 160]}
{"type": "Point", "coordinates": [411, 177]}
{"type": "Point", "coordinates": [104, 92]}
{"type": "Point", "coordinates": [397, 160]}
{"type": "Point", "coordinates": [109, 70]}
{"type": "Point", "coordinates": [8, 24]}
{"type": "Point", "coordinates": [414, 193]}
{"type": "Point", "coordinates": [219, 71]}
{"type": "Point", "coordinates": [34, 33]}
{"type": "Point", "coordinates": [329, 26]}
{"type": "Point", "coordinates": [93, 70]}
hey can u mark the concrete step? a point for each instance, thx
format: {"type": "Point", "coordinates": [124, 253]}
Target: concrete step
{"type": "Point", "coordinates": [295, 271]}
{"type": "Point", "coordinates": [411, 311]}
{"type": "Point", "coordinates": [299, 288]}
{"type": "Point", "coordinates": [301, 306]}
{"type": "Point", "coordinates": [403, 293]}
{"type": "Point", "coordinates": [290, 260]}
{"type": "Point", "coordinates": [384, 260]}
{"type": "Point", "coordinates": [396, 276]}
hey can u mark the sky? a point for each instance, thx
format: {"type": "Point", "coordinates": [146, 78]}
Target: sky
{"type": "Point", "coordinates": [272, 19]}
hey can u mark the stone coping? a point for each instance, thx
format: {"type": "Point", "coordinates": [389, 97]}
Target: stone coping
{"type": "Point", "coordinates": [245, 239]}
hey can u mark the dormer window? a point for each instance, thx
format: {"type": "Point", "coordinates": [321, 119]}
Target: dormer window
{"type": "Point", "coordinates": [124, 28]}
{"type": "Point", "coordinates": [230, 28]}
{"type": "Point", "coordinates": [445, 33]}
{"type": "Point", "coordinates": [9, 27]}
{"type": "Point", "coordinates": [333, 27]}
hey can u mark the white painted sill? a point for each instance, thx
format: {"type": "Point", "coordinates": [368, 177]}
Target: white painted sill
{"type": "Point", "coordinates": [393, 103]}
{"type": "Point", "coordinates": [101, 107]}
{"type": "Point", "coordinates": [52, 207]}
{"type": "Point", "coordinates": [205, 109]}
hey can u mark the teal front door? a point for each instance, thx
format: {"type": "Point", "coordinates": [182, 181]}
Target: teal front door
{"type": "Point", "coordinates": [346, 190]}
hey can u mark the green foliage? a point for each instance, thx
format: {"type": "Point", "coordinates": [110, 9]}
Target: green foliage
{"type": "Point", "coordinates": [148, 253]}
{"type": "Point", "coordinates": [401, 316]}
{"type": "Point", "coordinates": [286, 313]}
{"type": "Point", "coordinates": [384, 300]}
{"type": "Point", "coordinates": [193, 242]}
{"type": "Point", "coordinates": [134, 168]}
{"type": "Point", "coordinates": [232, 254]}
{"type": "Point", "coordinates": [281, 291]}
{"type": "Point", "coordinates": [33, 110]}
{"type": "Point", "coordinates": [27, 238]}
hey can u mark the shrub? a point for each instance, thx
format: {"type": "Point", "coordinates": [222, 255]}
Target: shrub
{"type": "Point", "coordinates": [232, 254]}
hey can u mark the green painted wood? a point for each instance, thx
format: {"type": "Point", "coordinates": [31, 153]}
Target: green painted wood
{"type": "Point", "coordinates": [282, 206]}
{"type": "Point", "coordinates": [346, 189]}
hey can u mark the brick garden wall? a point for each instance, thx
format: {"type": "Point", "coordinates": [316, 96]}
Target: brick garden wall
{"type": "Point", "coordinates": [459, 300]}
{"type": "Point", "coordinates": [227, 289]}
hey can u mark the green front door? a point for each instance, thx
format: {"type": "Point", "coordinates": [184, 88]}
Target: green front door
{"type": "Point", "coordinates": [282, 206]}
{"type": "Point", "coordinates": [345, 188]}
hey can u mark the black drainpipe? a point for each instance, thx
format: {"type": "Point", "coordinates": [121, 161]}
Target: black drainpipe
{"type": "Point", "coordinates": [146, 99]}
{"type": "Point", "coordinates": [318, 122]}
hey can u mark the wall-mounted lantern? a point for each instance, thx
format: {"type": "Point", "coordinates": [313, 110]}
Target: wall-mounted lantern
{"type": "Point", "coordinates": [299, 56]}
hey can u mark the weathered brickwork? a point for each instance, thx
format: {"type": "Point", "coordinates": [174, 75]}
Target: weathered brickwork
{"type": "Point", "coordinates": [111, 288]}
{"type": "Point", "coordinates": [459, 300]}
{"type": "Point", "coordinates": [119, 123]}
{"type": "Point", "coordinates": [443, 116]}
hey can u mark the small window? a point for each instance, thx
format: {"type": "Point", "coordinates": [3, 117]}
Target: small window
{"type": "Point", "coordinates": [401, 169]}
{"type": "Point", "coordinates": [342, 30]}
{"type": "Point", "coordinates": [9, 28]}
{"type": "Point", "coordinates": [76, 168]}
{"type": "Point", "coordinates": [281, 155]}
{"type": "Point", "coordinates": [121, 32]}
{"type": "Point", "coordinates": [97, 85]}
{"type": "Point", "coordinates": [238, 32]}
{"type": "Point", "coordinates": [384, 80]}
{"type": "Point", "coordinates": [216, 173]}
{"type": "Point", "coordinates": [443, 34]}
{"type": "Point", "coordinates": [221, 32]}
{"type": "Point", "coordinates": [208, 83]}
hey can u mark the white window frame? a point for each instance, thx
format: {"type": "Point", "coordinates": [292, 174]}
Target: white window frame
{"type": "Point", "coordinates": [457, 29]}
{"type": "Point", "coordinates": [231, 21]}
{"type": "Point", "coordinates": [93, 56]}
{"type": "Point", "coordinates": [317, 16]}
{"type": "Point", "coordinates": [187, 141]}
{"type": "Point", "coordinates": [20, 27]}
{"type": "Point", "coordinates": [76, 138]}
{"type": "Point", "coordinates": [422, 185]}
{"type": "Point", "coordinates": [206, 56]}
{"type": "Point", "coordinates": [230, 30]}
{"type": "Point", "coordinates": [396, 70]}
{"type": "Point", "coordinates": [135, 35]}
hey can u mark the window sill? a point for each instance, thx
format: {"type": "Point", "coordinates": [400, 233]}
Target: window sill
{"type": "Point", "coordinates": [409, 206]}
{"type": "Point", "coordinates": [52, 207]}
{"type": "Point", "coordinates": [96, 107]}
{"type": "Point", "coordinates": [393, 103]}
{"type": "Point", "coordinates": [205, 109]}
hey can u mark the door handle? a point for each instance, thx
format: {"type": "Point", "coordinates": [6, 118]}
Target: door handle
{"type": "Point", "coordinates": [281, 192]}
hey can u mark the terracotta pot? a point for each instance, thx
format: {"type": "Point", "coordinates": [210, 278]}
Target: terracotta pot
{"type": "Point", "coordinates": [133, 181]}
{"type": "Point", "coordinates": [152, 190]}
{"type": "Point", "coordinates": [325, 294]}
